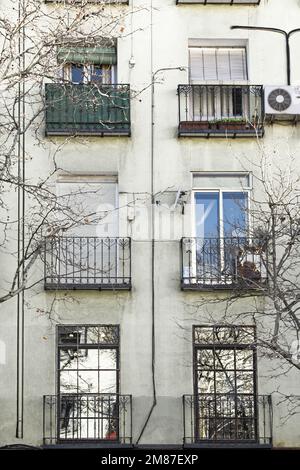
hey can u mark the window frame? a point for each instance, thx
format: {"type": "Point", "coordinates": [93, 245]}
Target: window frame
{"type": "Point", "coordinates": [87, 346]}
{"type": "Point", "coordinates": [110, 78]}
{"type": "Point", "coordinates": [233, 345]}
{"type": "Point", "coordinates": [220, 191]}
{"type": "Point", "coordinates": [99, 181]}
{"type": "Point", "coordinates": [213, 44]}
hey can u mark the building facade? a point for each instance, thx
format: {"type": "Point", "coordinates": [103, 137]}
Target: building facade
{"type": "Point", "coordinates": [119, 323]}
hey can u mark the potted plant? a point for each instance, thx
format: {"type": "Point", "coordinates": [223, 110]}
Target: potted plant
{"type": "Point", "coordinates": [194, 125]}
{"type": "Point", "coordinates": [232, 124]}
{"type": "Point", "coordinates": [247, 271]}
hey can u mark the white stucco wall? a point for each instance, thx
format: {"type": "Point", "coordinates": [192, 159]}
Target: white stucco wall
{"type": "Point", "coordinates": [174, 160]}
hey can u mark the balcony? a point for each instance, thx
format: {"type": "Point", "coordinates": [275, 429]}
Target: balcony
{"type": "Point", "coordinates": [125, 2]}
{"type": "Point", "coordinates": [87, 263]}
{"type": "Point", "coordinates": [87, 419]}
{"type": "Point", "coordinates": [87, 109]}
{"type": "Point", "coordinates": [218, 2]}
{"type": "Point", "coordinates": [220, 111]}
{"type": "Point", "coordinates": [232, 419]}
{"type": "Point", "coordinates": [223, 263]}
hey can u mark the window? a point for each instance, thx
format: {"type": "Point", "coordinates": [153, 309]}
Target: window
{"type": "Point", "coordinates": [220, 253]}
{"type": "Point", "coordinates": [93, 64]}
{"type": "Point", "coordinates": [93, 202]}
{"type": "Point", "coordinates": [225, 382]}
{"type": "Point", "coordinates": [221, 225]}
{"type": "Point", "coordinates": [87, 253]}
{"type": "Point", "coordinates": [223, 64]}
{"type": "Point", "coordinates": [220, 213]}
{"type": "Point", "coordinates": [218, 93]}
{"type": "Point", "coordinates": [89, 73]}
{"type": "Point", "coordinates": [88, 382]}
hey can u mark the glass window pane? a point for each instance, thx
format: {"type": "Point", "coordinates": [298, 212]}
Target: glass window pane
{"type": "Point", "coordinates": [108, 382]}
{"type": "Point", "coordinates": [109, 334]}
{"type": "Point", "coordinates": [225, 382]}
{"type": "Point", "coordinates": [97, 73]}
{"type": "Point", "coordinates": [244, 382]}
{"type": "Point", "coordinates": [68, 382]}
{"type": "Point", "coordinates": [89, 201]}
{"type": "Point", "coordinates": [224, 359]}
{"type": "Point", "coordinates": [207, 215]}
{"type": "Point", "coordinates": [224, 334]}
{"type": "Point", "coordinates": [244, 359]}
{"type": "Point", "coordinates": [70, 335]}
{"type": "Point", "coordinates": [205, 382]}
{"type": "Point", "coordinates": [225, 405]}
{"type": "Point", "coordinates": [204, 334]}
{"type": "Point", "coordinates": [88, 381]}
{"type": "Point", "coordinates": [88, 359]}
{"type": "Point", "coordinates": [68, 358]}
{"type": "Point", "coordinates": [205, 359]}
{"type": "Point", "coordinates": [92, 334]}
{"type": "Point", "coordinates": [107, 359]}
{"type": "Point", "coordinates": [235, 214]}
{"type": "Point", "coordinates": [77, 73]}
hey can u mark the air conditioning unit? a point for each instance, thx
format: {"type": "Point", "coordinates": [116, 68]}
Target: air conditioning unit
{"type": "Point", "coordinates": [282, 101]}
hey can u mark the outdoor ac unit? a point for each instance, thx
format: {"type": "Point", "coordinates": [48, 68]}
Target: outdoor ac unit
{"type": "Point", "coordinates": [282, 100]}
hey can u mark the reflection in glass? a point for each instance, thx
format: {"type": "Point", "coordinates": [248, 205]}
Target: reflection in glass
{"type": "Point", "coordinates": [225, 388]}
{"type": "Point", "coordinates": [88, 382]}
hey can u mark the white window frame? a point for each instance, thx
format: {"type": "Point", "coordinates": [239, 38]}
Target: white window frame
{"type": "Point", "coordinates": [92, 179]}
{"type": "Point", "coordinates": [219, 43]}
{"type": "Point", "coordinates": [66, 73]}
{"type": "Point", "coordinates": [218, 190]}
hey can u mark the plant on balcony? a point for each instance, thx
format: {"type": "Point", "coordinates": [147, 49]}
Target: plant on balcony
{"type": "Point", "coordinates": [194, 125]}
{"type": "Point", "coordinates": [248, 271]}
{"type": "Point", "coordinates": [232, 124]}
{"type": "Point", "coordinates": [267, 282]}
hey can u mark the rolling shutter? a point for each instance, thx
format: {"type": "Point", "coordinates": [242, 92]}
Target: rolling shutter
{"type": "Point", "coordinates": [105, 54]}
{"type": "Point", "coordinates": [224, 64]}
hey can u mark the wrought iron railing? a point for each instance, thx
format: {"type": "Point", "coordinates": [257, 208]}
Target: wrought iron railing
{"type": "Point", "coordinates": [219, 2]}
{"type": "Point", "coordinates": [126, 2]}
{"type": "Point", "coordinates": [222, 263]}
{"type": "Point", "coordinates": [90, 1]}
{"type": "Point", "coordinates": [220, 110]}
{"type": "Point", "coordinates": [88, 109]}
{"type": "Point", "coordinates": [87, 263]}
{"type": "Point", "coordinates": [237, 418]}
{"type": "Point", "coordinates": [87, 417]}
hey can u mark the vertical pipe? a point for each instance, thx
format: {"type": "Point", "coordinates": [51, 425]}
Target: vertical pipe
{"type": "Point", "coordinates": [21, 231]}
{"type": "Point", "coordinates": [152, 167]}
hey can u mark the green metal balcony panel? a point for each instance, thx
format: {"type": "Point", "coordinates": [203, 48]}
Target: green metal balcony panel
{"type": "Point", "coordinates": [87, 109]}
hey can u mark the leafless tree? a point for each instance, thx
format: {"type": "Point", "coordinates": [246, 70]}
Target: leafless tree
{"type": "Point", "coordinates": [254, 274]}
{"type": "Point", "coordinates": [32, 35]}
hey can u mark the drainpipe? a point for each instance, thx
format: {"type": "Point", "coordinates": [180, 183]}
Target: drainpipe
{"type": "Point", "coordinates": [152, 185]}
{"type": "Point", "coordinates": [21, 232]}
{"type": "Point", "coordinates": [287, 36]}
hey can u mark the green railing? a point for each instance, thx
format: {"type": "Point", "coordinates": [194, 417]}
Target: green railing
{"type": "Point", "coordinates": [87, 109]}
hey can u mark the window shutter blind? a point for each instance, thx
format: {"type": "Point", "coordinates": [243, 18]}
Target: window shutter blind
{"type": "Point", "coordinates": [238, 64]}
{"type": "Point", "coordinates": [99, 55]}
{"type": "Point", "coordinates": [218, 64]}
{"type": "Point", "coordinates": [196, 64]}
